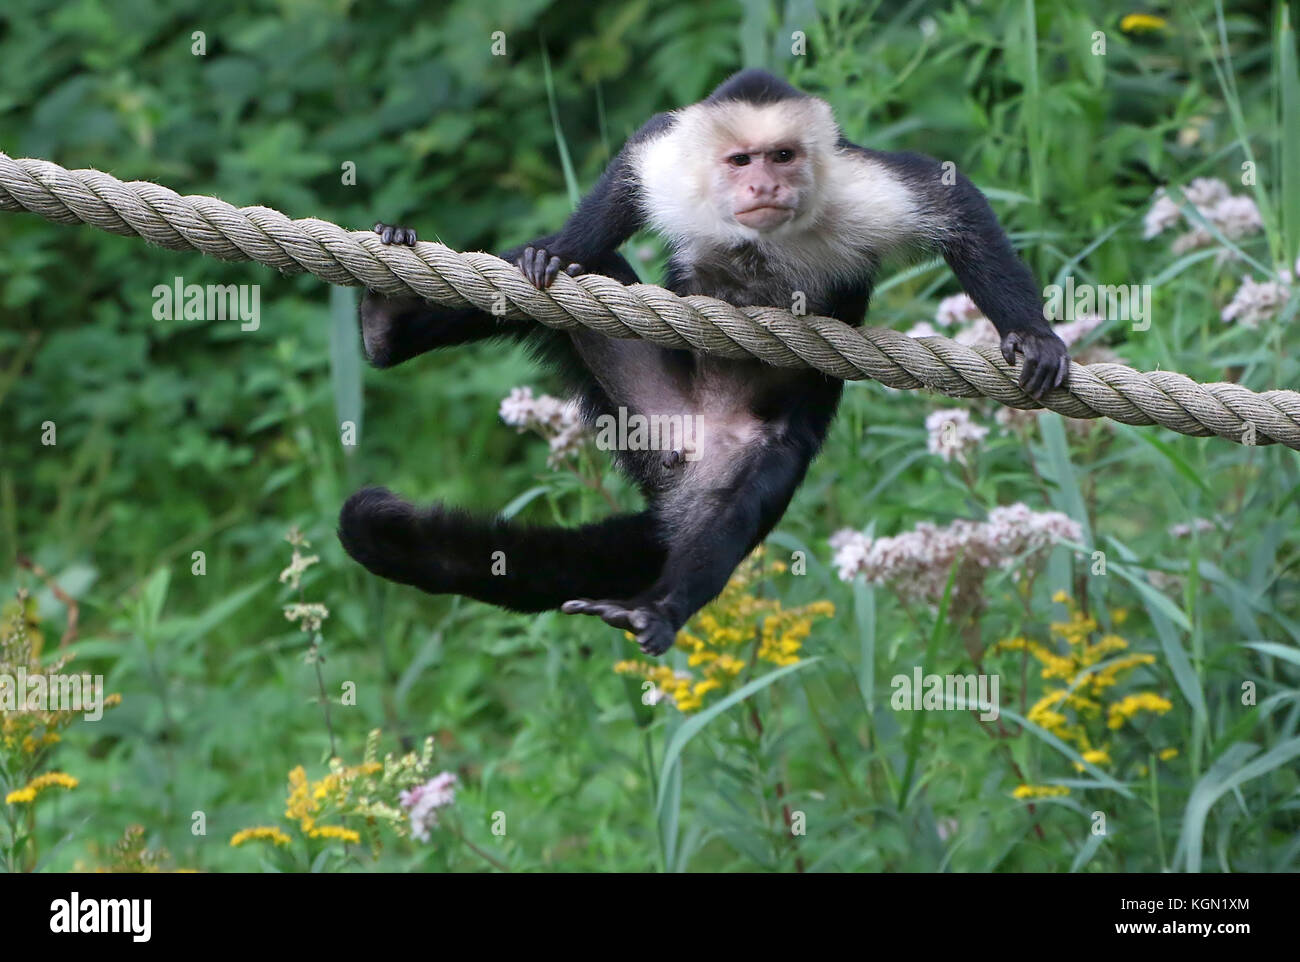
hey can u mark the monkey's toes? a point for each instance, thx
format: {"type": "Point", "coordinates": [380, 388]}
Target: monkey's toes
{"type": "Point", "coordinates": [613, 613]}
{"type": "Point", "coordinates": [657, 637]}
{"type": "Point", "coordinates": [392, 234]}
{"type": "Point", "coordinates": [653, 633]}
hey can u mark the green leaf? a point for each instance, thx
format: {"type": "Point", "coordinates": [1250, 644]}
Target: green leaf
{"type": "Point", "coordinates": [1226, 774]}
{"type": "Point", "coordinates": [696, 723]}
{"type": "Point", "coordinates": [345, 361]}
{"type": "Point", "coordinates": [1289, 86]}
{"type": "Point", "coordinates": [1285, 652]}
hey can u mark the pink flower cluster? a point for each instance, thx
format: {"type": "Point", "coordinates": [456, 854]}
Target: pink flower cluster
{"type": "Point", "coordinates": [1234, 215]}
{"type": "Point", "coordinates": [559, 422]}
{"type": "Point", "coordinates": [917, 562]}
{"type": "Point", "coordinates": [423, 801]}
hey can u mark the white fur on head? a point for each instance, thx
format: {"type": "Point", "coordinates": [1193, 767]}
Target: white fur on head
{"type": "Point", "coordinates": [852, 206]}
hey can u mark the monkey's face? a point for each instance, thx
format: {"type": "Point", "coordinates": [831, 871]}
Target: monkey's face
{"type": "Point", "coordinates": [764, 185]}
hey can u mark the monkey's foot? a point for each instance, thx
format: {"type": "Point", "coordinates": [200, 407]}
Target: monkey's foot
{"type": "Point", "coordinates": [653, 632]}
{"type": "Point", "coordinates": [392, 234]}
{"type": "Point", "coordinates": [541, 267]}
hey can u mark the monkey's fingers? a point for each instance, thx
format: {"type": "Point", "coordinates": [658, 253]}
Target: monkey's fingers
{"type": "Point", "coordinates": [533, 266]}
{"type": "Point", "coordinates": [1063, 375]}
{"type": "Point", "coordinates": [1009, 345]}
{"type": "Point", "coordinates": [552, 268]}
{"type": "Point", "coordinates": [573, 270]}
{"type": "Point", "coordinates": [539, 269]}
{"type": "Point", "coordinates": [1041, 375]}
{"type": "Point", "coordinates": [392, 234]}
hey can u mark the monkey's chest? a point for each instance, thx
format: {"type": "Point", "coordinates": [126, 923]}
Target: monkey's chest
{"type": "Point", "coordinates": [751, 280]}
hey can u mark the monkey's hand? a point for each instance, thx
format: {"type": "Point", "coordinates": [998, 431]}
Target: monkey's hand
{"type": "Point", "coordinates": [653, 631]}
{"type": "Point", "coordinates": [541, 267]}
{"type": "Point", "coordinates": [1047, 362]}
{"type": "Point", "coordinates": [392, 234]}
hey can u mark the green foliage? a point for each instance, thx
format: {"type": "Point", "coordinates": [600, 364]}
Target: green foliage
{"type": "Point", "coordinates": [175, 437]}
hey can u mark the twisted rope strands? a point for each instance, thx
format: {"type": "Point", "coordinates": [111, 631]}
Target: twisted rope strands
{"type": "Point", "coordinates": [439, 274]}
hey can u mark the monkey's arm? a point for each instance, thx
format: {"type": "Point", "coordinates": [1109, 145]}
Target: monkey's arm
{"type": "Point", "coordinates": [395, 329]}
{"type": "Point", "coordinates": [606, 217]}
{"type": "Point", "coordinates": [981, 256]}
{"type": "Point", "coordinates": [1003, 288]}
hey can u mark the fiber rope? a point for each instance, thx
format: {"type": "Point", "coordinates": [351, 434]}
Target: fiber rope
{"type": "Point", "coordinates": [439, 274]}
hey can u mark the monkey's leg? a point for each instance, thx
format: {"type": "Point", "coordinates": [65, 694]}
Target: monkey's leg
{"type": "Point", "coordinates": [523, 568]}
{"type": "Point", "coordinates": [396, 329]}
{"type": "Point", "coordinates": [708, 533]}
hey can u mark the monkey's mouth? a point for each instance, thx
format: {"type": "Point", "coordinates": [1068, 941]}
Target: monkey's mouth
{"type": "Point", "coordinates": [764, 216]}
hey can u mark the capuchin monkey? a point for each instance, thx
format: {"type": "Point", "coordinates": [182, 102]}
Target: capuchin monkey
{"type": "Point", "coordinates": [760, 198]}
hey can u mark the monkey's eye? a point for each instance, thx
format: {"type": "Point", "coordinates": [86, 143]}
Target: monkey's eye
{"type": "Point", "coordinates": [782, 156]}
{"type": "Point", "coordinates": [738, 160]}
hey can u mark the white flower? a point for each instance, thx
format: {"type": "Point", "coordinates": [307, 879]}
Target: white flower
{"type": "Point", "coordinates": [558, 421]}
{"type": "Point", "coordinates": [1185, 529]}
{"type": "Point", "coordinates": [297, 565]}
{"type": "Point", "coordinates": [1236, 217]}
{"type": "Point", "coordinates": [917, 562]}
{"type": "Point", "coordinates": [922, 329]}
{"type": "Point", "coordinates": [1193, 239]}
{"type": "Point", "coordinates": [566, 443]}
{"type": "Point", "coordinates": [979, 332]}
{"type": "Point", "coordinates": [1205, 192]}
{"type": "Point", "coordinates": [1078, 329]}
{"type": "Point", "coordinates": [1014, 419]}
{"type": "Point", "coordinates": [1164, 213]}
{"type": "Point", "coordinates": [957, 309]}
{"type": "Point", "coordinates": [517, 407]}
{"type": "Point", "coordinates": [952, 433]}
{"type": "Point", "coordinates": [309, 615]}
{"type": "Point", "coordinates": [1256, 302]}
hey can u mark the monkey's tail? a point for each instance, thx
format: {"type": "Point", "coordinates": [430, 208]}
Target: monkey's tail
{"type": "Point", "coordinates": [524, 568]}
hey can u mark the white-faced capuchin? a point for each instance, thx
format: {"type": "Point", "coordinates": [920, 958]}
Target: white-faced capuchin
{"type": "Point", "coordinates": [760, 198]}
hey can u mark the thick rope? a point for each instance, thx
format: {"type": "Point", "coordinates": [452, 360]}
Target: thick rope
{"type": "Point", "coordinates": [439, 274]}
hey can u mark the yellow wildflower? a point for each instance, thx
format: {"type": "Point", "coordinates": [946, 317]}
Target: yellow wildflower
{"type": "Point", "coordinates": [1142, 23]}
{"type": "Point", "coordinates": [732, 666]}
{"type": "Point", "coordinates": [259, 834]}
{"type": "Point", "coordinates": [1095, 756]}
{"type": "Point", "coordinates": [1128, 706]}
{"type": "Point", "coordinates": [737, 618]}
{"type": "Point", "coordinates": [300, 805]}
{"type": "Point", "coordinates": [1040, 791]}
{"type": "Point", "coordinates": [1167, 754]}
{"type": "Point", "coordinates": [335, 831]}
{"type": "Point", "coordinates": [37, 785]}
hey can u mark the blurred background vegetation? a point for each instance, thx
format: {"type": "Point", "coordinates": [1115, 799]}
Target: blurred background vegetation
{"type": "Point", "coordinates": [185, 436]}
